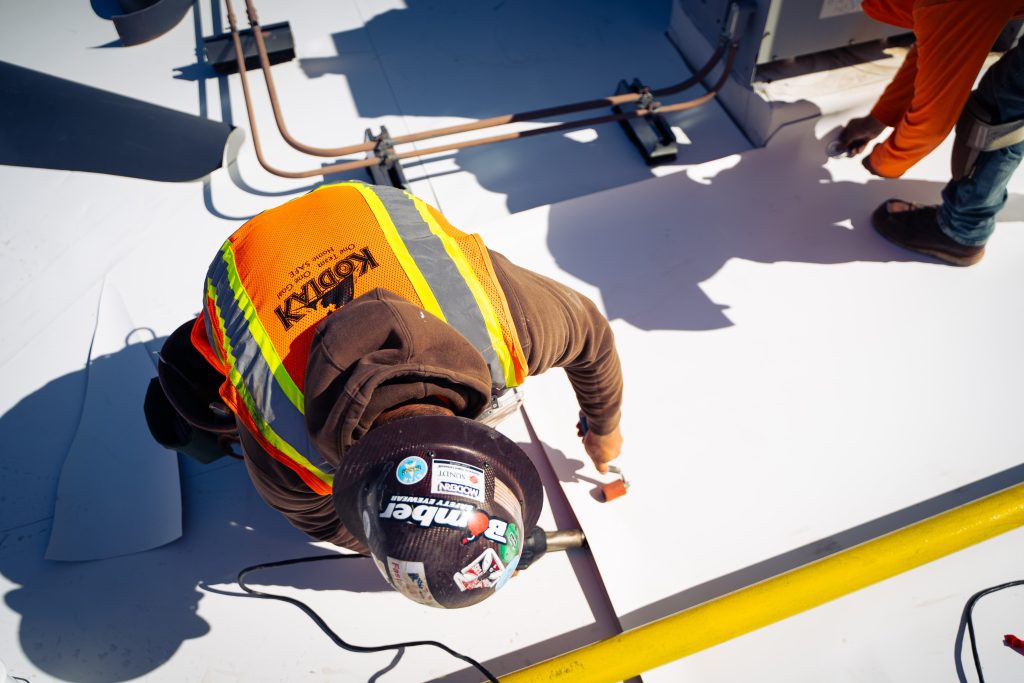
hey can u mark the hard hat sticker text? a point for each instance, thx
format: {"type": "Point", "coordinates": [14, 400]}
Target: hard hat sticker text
{"type": "Point", "coordinates": [409, 578]}
{"type": "Point", "coordinates": [428, 512]}
{"type": "Point", "coordinates": [457, 478]}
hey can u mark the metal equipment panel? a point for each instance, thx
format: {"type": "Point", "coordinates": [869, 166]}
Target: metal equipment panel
{"type": "Point", "coordinates": [782, 29]}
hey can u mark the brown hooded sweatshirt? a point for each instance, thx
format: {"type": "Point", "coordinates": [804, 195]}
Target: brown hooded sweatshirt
{"type": "Point", "coordinates": [381, 351]}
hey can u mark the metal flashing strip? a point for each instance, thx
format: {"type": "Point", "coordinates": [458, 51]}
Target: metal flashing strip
{"type": "Point", "coordinates": [786, 595]}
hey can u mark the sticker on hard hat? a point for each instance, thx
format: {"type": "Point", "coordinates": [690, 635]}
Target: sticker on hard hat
{"type": "Point", "coordinates": [510, 569]}
{"type": "Point", "coordinates": [481, 524]}
{"type": "Point", "coordinates": [483, 572]}
{"type": "Point", "coordinates": [410, 579]}
{"type": "Point", "coordinates": [411, 470]}
{"type": "Point", "coordinates": [457, 478]}
{"type": "Point", "coordinates": [510, 549]}
{"type": "Point", "coordinates": [428, 512]}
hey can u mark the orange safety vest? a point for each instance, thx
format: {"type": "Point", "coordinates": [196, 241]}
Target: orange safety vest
{"type": "Point", "coordinates": [290, 267]}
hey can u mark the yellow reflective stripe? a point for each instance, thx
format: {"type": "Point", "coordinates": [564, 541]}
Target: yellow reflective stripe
{"type": "Point", "coordinates": [266, 430]}
{"type": "Point", "coordinates": [259, 333]}
{"type": "Point", "coordinates": [494, 330]}
{"type": "Point", "coordinates": [427, 299]}
{"type": "Point", "coordinates": [211, 294]}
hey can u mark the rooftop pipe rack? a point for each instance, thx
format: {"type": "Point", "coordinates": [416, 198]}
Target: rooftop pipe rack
{"type": "Point", "coordinates": [382, 147]}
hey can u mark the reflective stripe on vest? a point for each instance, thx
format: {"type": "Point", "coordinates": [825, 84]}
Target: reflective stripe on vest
{"type": "Point", "coordinates": [267, 397]}
{"type": "Point", "coordinates": [443, 279]}
{"type": "Point", "coordinates": [274, 408]}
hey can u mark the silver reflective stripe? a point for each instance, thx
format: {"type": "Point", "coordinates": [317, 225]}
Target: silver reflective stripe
{"type": "Point", "coordinates": [450, 289]}
{"type": "Point", "coordinates": [270, 400]}
{"type": "Point", "coordinates": [1003, 135]}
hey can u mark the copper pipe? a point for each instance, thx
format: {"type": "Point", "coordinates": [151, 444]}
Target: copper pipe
{"type": "Point", "coordinates": [261, 48]}
{"type": "Point", "coordinates": [583, 123]}
{"type": "Point", "coordinates": [374, 161]}
{"type": "Point", "coordinates": [534, 115]}
{"type": "Point", "coordinates": [336, 168]}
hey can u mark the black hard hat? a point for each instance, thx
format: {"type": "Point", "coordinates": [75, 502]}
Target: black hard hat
{"type": "Point", "coordinates": [443, 503]}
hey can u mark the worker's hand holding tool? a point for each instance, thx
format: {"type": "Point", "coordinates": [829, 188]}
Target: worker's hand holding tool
{"type": "Point", "coordinates": [602, 448]}
{"type": "Point", "coordinates": [855, 137]}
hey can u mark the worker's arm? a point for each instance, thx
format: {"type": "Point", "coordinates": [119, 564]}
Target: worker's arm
{"type": "Point", "coordinates": [895, 101]}
{"type": "Point", "coordinates": [888, 111]}
{"type": "Point", "coordinates": [559, 327]}
{"type": "Point", "coordinates": [927, 95]}
{"type": "Point", "coordinates": [282, 490]}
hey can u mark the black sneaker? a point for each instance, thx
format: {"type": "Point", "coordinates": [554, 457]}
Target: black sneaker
{"type": "Point", "coordinates": [917, 229]}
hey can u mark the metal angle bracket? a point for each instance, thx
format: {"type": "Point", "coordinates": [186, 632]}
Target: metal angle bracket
{"type": "Point", "coordinates": [388, 170]}
{"type": "Point", "coordinates": [651, 133]}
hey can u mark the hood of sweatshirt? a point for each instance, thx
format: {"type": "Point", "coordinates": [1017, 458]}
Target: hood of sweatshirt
{"type": "Point", "coordinates": [378, 352]}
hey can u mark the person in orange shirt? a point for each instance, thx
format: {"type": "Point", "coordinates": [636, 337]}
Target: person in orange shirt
{"type": "Point", "coordinates": [923, 103]}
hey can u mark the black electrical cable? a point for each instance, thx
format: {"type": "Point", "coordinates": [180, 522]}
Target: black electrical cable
{"type": "Point", "coordinates": [968, 617]}
{"type": "Point", "coordinates": [327, 629]}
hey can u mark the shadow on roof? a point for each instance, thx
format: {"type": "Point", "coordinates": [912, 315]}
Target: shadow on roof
{"type": "Point", "coordinates": [121, 618]}
{"type": "Point", "coordinates": [650, 247]}
{"type": "Point", "coordinates": [50, 122]}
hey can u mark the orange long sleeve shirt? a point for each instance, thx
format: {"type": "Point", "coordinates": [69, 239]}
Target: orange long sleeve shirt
{"type": "Point", "coordinates": [924, 100]}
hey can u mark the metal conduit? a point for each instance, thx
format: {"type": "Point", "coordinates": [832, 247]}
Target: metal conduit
{"type": "Point", "coordinates": [727, 47]}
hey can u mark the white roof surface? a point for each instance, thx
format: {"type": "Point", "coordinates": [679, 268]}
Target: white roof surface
{"type": "Point", "coordinates": [793, 381]}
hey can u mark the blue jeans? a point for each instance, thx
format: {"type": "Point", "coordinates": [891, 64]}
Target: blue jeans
{"type": "Point", "coordinates": [970, 205]}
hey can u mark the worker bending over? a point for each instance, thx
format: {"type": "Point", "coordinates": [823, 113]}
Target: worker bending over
{"type": "Point", "coordinates": [922, 105]}
{"type": "Point", "coordinates": [357, 344]}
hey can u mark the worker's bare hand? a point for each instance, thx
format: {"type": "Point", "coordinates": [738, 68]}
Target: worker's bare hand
{"type": "Point", "coordinates": [602, 448]}
{"type": "Point", "coordinates": [859, 132]}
